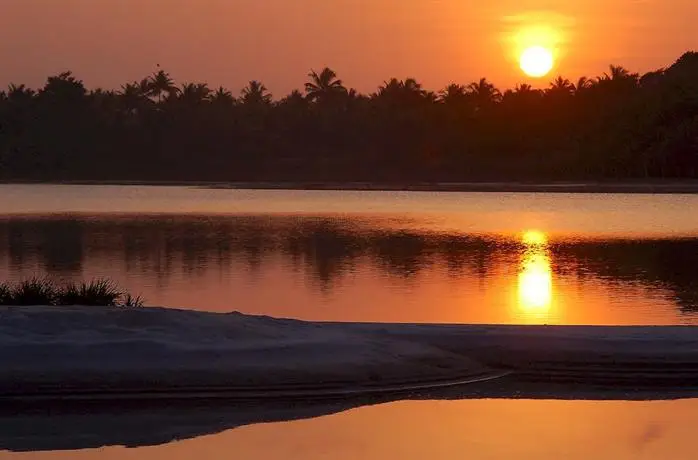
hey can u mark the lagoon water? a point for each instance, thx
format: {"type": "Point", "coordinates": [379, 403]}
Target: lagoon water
{"type": "Point", "coordinates": [367, 256]}
{"type": "Point", "coordinates": [388, 257]}
{"type": "Point", "coordinates": [449, 430]}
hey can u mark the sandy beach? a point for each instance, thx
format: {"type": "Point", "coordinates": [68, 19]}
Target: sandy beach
{"type": "Point", "coordinates": [127, 353]}
{"type": "Point", "coordinates": [86, 377]}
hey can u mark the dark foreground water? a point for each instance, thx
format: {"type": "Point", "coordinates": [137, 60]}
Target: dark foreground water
{"type": "Point", "coordinates": [444, 430]}
{"type": "Point", "coordinates": [386, 256]}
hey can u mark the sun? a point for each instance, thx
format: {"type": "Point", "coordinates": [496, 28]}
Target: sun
{"type": "Point", "coordinates": [536, 61]}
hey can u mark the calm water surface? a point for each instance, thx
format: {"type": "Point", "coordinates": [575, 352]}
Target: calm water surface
{"type": "Point", "coordinates": [444, 430]}
{"type": "Point", "coordinates": [367, 256]}
{"type": "Point", "coordinates": [385, 256]}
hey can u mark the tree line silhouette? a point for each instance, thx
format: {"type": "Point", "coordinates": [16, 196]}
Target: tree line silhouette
{"type": "Point", "coordinates": [619, 125]}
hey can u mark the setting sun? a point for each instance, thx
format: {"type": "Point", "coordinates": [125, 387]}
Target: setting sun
{"type": "Point", "coordinates": [536, 61]}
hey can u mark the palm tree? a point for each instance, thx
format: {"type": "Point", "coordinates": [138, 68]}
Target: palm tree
{"type": "Point", "coordinates": [453, 93]}
{"type": "Point", "coordinates": [522, 96]}
{"type": "Point", "coordinates": [222, 97]}
{"type": "Point", "coordinates": [107, 104]}
{"type": "Point", "coordinates": [413, 86]}
{"type": "Point", "coordinates": [456, 100]}
{"type": "Point", "coordinates": [293, 107]}
{"type": "Point", "coordinates": [409, 86]}
{"type": "Point", "coordinates": [583, 83]}
{"type": "Point", "coordinates": [133, 97]}
{"type": "Point", "coordinates": [561, 86]}
{"type": "Point", "coordinates": [354, 95]}
{"type": "Point", "coordinates": [295, 98]}
{"type": "Point", "coordinates": [523, 88]}
{"type": "Point", "coordinates": [617, 73]}
{"type": "Point", "coordinates": [194, 93]}
{"type": "Point", "coordinates": [618, 82]}
{"type": "Point", "coordinates": [484, 93]}
{"type": "Point", "coordinates": [396, 93]}
{"type": "Point", "coordinates": [145, 87]}
{"type": "Point", "coordinates": [160, 83]}
{"type": "Point", "coordinates": [103, 98]}
{"type": "Point", "coordinates": [324, 86]}
{"type": "Point", "coordinates": [391, 86]}
{"type": "Point", "coordinates": [255, 93]}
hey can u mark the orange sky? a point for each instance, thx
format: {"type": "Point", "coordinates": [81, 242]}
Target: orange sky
{"type": "Point", "coordinates": [228, 42]}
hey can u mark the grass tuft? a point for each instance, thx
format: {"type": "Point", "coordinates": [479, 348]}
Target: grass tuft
{"type": "Point", "coordinates": [133, 302]}
{"type": "Point", "coordinates": [100, 292]}
{"type": "Point", "coordinates": [34, 291]}
{"type": "Point", "coordinates": [5, 293]}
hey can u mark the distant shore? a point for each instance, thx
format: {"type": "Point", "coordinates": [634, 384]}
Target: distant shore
{"type": "Point", "coordinates": [645, 187]}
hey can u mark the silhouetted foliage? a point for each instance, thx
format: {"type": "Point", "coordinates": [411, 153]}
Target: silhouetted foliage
{"type": "Point", "coordinates": [100, 292]}
{"type": "Point", "coordinates": [42, 291]}
{"type": "Point", "coordinates": [34, 291]}
{"type": "Point", "coordinates": [616, 126]}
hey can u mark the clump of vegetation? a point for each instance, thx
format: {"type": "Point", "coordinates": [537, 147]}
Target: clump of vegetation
{"type": "Point", "coordinates": [5, 293]}
{"type": "Point", "coordinates": [34, 291]}
{"type": "Point", "coordinates": [43, 291]}
{"type": "Point", "coordinates": [132, 301]}
{"type": "Point", "coordinates": [101, 292]}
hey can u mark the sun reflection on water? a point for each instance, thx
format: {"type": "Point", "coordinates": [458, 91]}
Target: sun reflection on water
{"type": "Point", "coordinates": [535, 281]}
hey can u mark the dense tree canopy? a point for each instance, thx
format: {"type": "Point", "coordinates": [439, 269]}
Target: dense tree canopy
{"type": "Point", "coordinates": [616, 126]}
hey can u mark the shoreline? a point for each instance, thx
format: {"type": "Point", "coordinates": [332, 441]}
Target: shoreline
{"type": "Point", "coordinates": [72, 425]}
{"type": "Point", "coordinates": [116, 353]}
{"type": "Point", "coordinates": [634, 187]}
{"type": "Point", "coordinates": [88, 377]}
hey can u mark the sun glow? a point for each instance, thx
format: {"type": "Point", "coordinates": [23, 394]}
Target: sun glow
{"type": "Point", "coordinates": [535, 288]}
{"type": "Point", "coordinates": [537, 40]}
{"type": "Point", "coordinates": [534, 238]}
{"type": "Point", "coordinates": [536, 61]}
